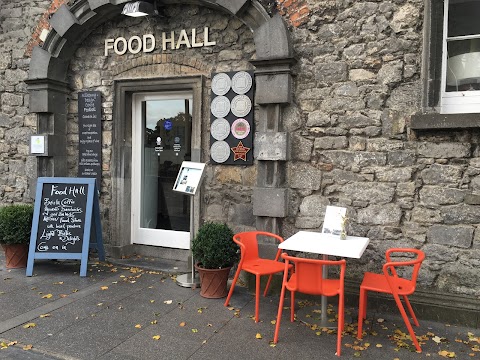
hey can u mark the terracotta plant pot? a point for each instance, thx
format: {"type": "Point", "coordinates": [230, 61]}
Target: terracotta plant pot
{"type": "Point", "coordinates": [213, 282]}
{"type": "Point", "coordinates": [16, 255]}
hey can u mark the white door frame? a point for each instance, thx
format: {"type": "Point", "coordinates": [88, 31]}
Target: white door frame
{"type": "Point", "coordinates": [139, 235]}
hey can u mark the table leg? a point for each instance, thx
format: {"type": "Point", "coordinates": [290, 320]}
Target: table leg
{"type": "Point", "coordinates": [324, 316]}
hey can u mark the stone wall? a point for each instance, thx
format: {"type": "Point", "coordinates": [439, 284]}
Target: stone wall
{"type": "Point", "coordinates": [16, 123]}
{"type": "Point", "coordinates": [357, 83]}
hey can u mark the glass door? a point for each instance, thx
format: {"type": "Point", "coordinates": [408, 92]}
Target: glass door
{"type": "Point", "coordinates": [162, 128]}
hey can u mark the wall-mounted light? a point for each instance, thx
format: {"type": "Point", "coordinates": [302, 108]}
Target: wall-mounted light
{"type": "Point", "coordinates": [138, 8]}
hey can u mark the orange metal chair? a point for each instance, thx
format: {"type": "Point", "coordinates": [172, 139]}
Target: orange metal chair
{"type": "Point", "coordinates": [391, 282]}
{"type": "Point", "coordinates": [251, 262]}
{"type": "Point", "coordinates": [307, 278]}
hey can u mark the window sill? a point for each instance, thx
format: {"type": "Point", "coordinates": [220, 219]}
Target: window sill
{"type": "Point", "coordinates": [444, 121]}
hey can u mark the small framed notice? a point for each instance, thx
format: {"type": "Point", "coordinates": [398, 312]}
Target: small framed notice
{"type": "Point", "coordinates": [189, 177]}
{"type": "Point", "coordinates": [37, 144]}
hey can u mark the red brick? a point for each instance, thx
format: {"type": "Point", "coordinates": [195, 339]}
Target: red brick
{"type": "Point", "coordinates": [304, 10]}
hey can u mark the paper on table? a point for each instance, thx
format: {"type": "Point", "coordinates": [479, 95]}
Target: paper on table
{"type": "Point", "coordinates": [332, 223]}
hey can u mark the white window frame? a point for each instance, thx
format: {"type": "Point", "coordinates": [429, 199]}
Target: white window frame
{"type": "Point", "coordinates": [455, 102]}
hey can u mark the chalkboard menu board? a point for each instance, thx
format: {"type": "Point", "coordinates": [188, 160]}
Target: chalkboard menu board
{"type": "Point", "coordinates": [65, 210]}
{"type": "Point", "coordinates": [90, 135]}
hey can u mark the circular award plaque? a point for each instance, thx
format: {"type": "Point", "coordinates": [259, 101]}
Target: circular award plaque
{"type": "Point", "coordinates": [220, 129]}
{"type": "Point", "coordinates": [241, 105]}
{"type": "Point", "coordinates": [241, 82]}
{"type": "Point", "coordinates": [220, 106]}
{"type": "Point", "coordinates": [220, 151]}
{"type": "Point", "coordinates": [221, 84]}
{"type": "Point", "coordinates": [240, 128]}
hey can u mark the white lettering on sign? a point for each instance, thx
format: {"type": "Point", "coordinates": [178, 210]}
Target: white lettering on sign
{"type": "Point", "coordinates": [147, 42]}
{"type": "Point", "coordinates": [134, 45]}
{"type": "Point", "coordinates": [148, 39]}
{"type": "Point", "coordinates": [131, 42]}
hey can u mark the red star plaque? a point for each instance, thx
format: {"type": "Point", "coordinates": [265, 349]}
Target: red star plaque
{"type": "Point", "coordinates": [240, 152]}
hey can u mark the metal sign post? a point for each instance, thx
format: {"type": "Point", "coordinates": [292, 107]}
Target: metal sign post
{"type": "Point", "coordinates": [190, 279]}
{"type": "Point", "coordinates": [188, 180]}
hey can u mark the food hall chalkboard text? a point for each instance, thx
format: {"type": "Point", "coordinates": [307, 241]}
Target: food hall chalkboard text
{"type": "Point", "coordinates": [62, 214]}
{"type": "Point", "coordinates": [65, 210]}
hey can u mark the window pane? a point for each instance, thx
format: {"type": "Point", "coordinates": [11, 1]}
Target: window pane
{"type": "Point", "coordinates": [463, 65]}
{"type": "Point", "coordinates": [463, 17]}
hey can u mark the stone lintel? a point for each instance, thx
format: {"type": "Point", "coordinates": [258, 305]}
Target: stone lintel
{"type": "Point", "coordinates": [270, 202]}
{"type": "Point", "coordinates": [444, 121]}
{"type": "Point", "coordinates": [271, 146]}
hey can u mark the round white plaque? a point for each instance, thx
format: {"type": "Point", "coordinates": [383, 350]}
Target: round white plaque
{"type": "Point", "coordinates": [221, 84]}
{"type": "Point", "coordinates": [241, 82]}
{"type": "Point", "coordinates": [220, 106]}
{"type": "Point", "coordinates": [220, 129]}
{"type": "Point", "coordinates": [241, 105]}
{"type": "Point", "coordinates": [220, 151]}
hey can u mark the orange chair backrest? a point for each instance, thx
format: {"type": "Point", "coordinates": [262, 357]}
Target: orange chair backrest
{"type": "Point", "coordinates": [248, 242]}
{"type": "Point", "coordinates": [248, 245]}
{"type": "Point", "coordinates": [390, 267]}
{"type": "Point", "coordinates": [308, 275]}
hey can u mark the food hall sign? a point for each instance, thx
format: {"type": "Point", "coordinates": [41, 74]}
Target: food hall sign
{"type": "Point", "coordinates": [147, 43]}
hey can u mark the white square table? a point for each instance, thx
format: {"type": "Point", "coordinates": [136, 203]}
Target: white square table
{"type": "Point", "coordinates": [325, 244]}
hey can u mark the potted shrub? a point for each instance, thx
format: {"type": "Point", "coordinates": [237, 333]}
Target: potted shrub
{"type": "Point", "coordinates": [215, 253]}
{"type": "Point", "coordinates": [15, 229]}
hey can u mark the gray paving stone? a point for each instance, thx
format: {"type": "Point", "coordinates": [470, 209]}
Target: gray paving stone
{"type": "Point", "coordinates": [100, 324]}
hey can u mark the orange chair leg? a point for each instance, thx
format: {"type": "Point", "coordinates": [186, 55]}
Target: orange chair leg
{"type": "Point", "coordinates": [268, 285]}
{"type": "Point", "coordinates": [365, 302]}
{"type": "Point", "coordinates": [410, 309]}
{"type": "Point", "coordinates": [407, 322]}
{"type": "Point", "coordinates": [230, 292]}
{"type": "Point", "coordinates": [292, 306]}
{"type": "Point", "coordinates": [341, 323]}
{"type": "Point", "coordinates": [257, 298]}
{"type": "Point", "coordinates": [279, 314]}
{"type": "Point", "coordinates": [361, 312]}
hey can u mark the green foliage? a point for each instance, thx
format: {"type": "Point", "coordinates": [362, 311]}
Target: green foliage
{"type": "Point", "coordinates": [16, 224]}
{"type": "Point", "coordinates": [213, 247]}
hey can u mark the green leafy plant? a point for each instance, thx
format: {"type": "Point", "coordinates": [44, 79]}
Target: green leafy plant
{"type": "Point", "coordinates": [16, 224]}
{"type": "Point", "coordinates": [213, 246]}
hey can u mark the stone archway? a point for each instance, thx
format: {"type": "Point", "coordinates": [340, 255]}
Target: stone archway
{"type": "Point", "coordinates": [48, 90]}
